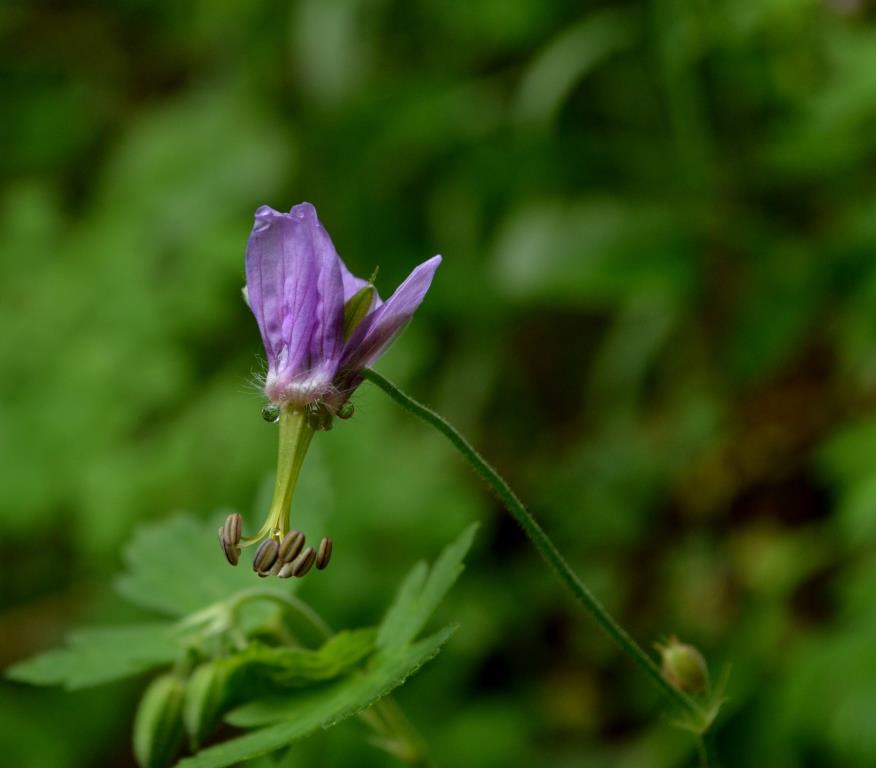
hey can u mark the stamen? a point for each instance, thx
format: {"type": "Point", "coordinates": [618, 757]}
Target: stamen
{"type": "Point", "coordinates": [324, 554]}
{"type": "Point", "coordinates": [303, 563]}
{"type": "Point", "coordinates": [233, 524]}
{"type": "Point", "coordinates": [290, 547]}
{"type": "Point", "coordinates": [231, 552]}
{"type": "Point", "coordinates": [265, 556]}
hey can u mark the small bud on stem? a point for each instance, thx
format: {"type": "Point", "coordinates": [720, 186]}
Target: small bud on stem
{"type": "Point", "coordinates": [684, 667]}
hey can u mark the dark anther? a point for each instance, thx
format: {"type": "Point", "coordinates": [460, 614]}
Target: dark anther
{"type": "Point", "coordinates": [303, 563]}
{"type": "Point", "coordinates": [292, 544]}
{"type": "Point", "coordinates": [265, 556]}
{"type": "Point", "coordinates": [231, 552]}
{"type": "Point", "coordinates": [231, 530]}
{"type": "Point", "coordinates": [324, 554]}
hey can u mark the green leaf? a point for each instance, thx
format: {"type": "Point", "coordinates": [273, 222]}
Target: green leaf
{"type": "Point", "coordinates": [100, 655]}
{"type": "Point", "coordinates": [304, 712]}
{"type": "Point", "coordinates": [261, 670]}
{"type": "Point", "coordinates": [419, 595]}
{"type": "Point", "coordinates": [175, 567]}
{"type": "Point", "coordinates": [300, 666]}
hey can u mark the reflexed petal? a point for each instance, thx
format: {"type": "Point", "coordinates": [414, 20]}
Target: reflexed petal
{"type": "Point", "coordinates": [384, 324]}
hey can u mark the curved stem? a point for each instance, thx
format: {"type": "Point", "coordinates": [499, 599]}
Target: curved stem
{"type": "Point", "coordinates": [290, 603]}
{"type": "Point", "coordinates": [540, 539]}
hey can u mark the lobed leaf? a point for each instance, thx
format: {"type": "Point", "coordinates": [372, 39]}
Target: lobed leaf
{"type": "Point", "coordinates": [100, 655]}
{"type": "Point", "coordinates": [175, 567]}
{"type": "Point", "coordinates": [419, 594]}
{"type": "Point", "coordinates": [293, 717]}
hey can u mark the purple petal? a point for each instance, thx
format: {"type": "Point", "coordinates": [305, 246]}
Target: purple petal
{"type": "Point", "coordinates": [327, 341]}
{"type": "Point", "coordinates": [379, 329]}
{"type": "Point", "coordinates": [295, 291]}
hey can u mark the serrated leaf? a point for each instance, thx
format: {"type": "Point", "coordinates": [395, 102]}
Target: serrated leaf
{"type": "Point", "coordinates": [419, 595]}
{"type": "Point", "coordinates": [300, 666]}
{"type": "Point", "coordinates": [175, 567]}
{"type": "Point", "coordinates": [304, 712]}
{"type": "Point", "coordinates": [261, 670]}
{"type": "Point", "coordinates": [100, 655]}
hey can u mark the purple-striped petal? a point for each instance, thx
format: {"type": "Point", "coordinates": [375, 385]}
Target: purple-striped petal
{"type": "Point", "coordinates": [380, 328]}
{"type": "Point", "coordinates": [327, 341]}
{"type": "Point", "coordinates": [295, 291]}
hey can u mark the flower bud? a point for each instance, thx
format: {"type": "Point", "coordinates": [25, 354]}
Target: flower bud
{"type": "Point", "coordinates": [204, 698]}
{"type": "Point", "coordinates": [684, 667]}
{"type": "Point", "coordinates": [158, 726]}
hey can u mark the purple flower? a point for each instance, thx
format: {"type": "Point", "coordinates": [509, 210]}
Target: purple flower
{"type": "Point", "coordinates": [320, 324]}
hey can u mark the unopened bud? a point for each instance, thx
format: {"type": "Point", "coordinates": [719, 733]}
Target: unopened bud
{"type": "Point", "coordinates": [684, 666]}
{"type": "Point", "coordinates": [158, 725]}
{"type": "Point", "coordinates": [204, 698]}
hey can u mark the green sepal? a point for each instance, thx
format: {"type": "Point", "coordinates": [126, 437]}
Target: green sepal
{"type": "Point", "coordinates": [357, 308]}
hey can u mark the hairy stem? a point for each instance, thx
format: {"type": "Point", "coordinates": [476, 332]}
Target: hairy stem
{"type": "Point", "coordinates": [541, 540]}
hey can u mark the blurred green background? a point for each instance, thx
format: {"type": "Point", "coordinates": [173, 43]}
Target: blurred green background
{"type": "Point", "coordinates": [657, 314]}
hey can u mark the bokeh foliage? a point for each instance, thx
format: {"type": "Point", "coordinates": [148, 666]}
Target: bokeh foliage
{"type": "Point", "coordinates": [657, 313]}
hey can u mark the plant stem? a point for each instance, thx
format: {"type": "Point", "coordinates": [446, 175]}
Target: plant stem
{"type": "Point", "coordinates": [540, 539]}
{"type": "Point", "coordinates": [705, 751]}
{"type": "Point", "coordinates": [320, 629]}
